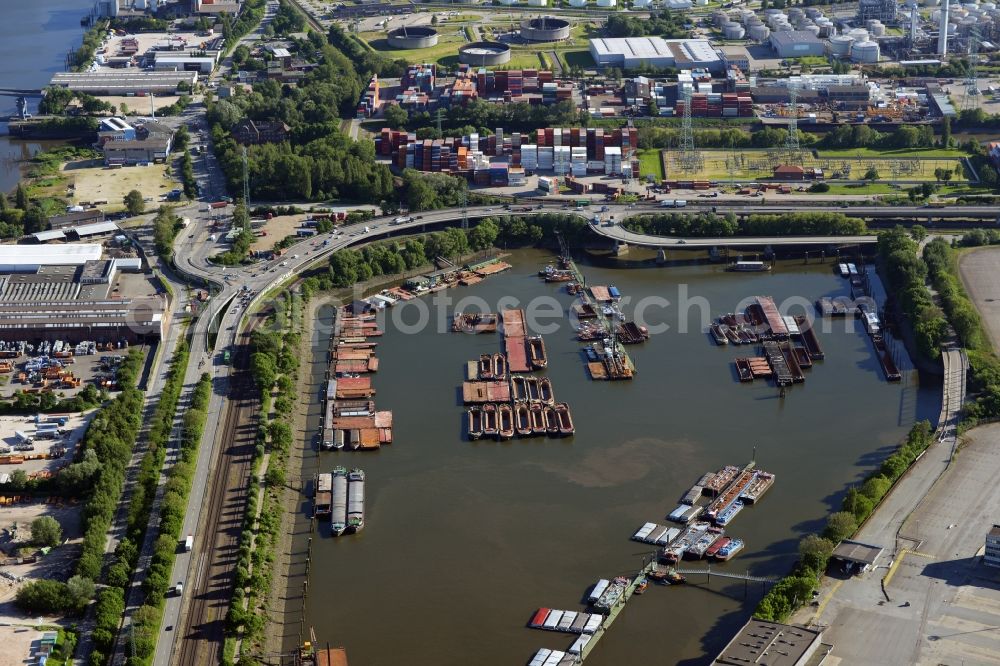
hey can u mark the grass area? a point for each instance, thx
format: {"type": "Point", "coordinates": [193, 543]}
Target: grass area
{"type": "Point", "coordinates": [760, 164]}
{"type": "Point", "coordinates": [922, 153]}
{"type": "Point", "coordinates": [448, 43]}
{"type": "Point", "coordinates": [94, 182]}
{"type": "Point", "coordinates": [578, 58]}
{"type": "Point", "coordinates": [868, 188]}
{"type": "Point", "coordinates": [650, 163]}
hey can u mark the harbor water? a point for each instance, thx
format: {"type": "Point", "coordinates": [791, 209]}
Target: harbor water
{"type": "Point", "coordinates": [34, 40]}
{"type": "Point", "coordinates": [465, 540]}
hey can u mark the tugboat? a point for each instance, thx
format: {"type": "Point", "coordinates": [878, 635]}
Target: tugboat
{"type": "Point", "coordinates": [522, 419]}
{"type": "Point", "coordinates": [641, 587]}
{"type": "Point", "coordinates": [475, 422]}
{"type": "Point", "coordinates": [506, 417]}
{"type": "Point", "coordinates": [545, 390]}
{"type": "Point", "coordinates": [490, 420]}
{"type": "Point", "coordinates": [728, 551]}
{"type": "Point", "coordinates": [537, 419]}
{"type": "Point", "coordinates": [668, 577]}
{"type": "Point", "coordinates": [565, 420]}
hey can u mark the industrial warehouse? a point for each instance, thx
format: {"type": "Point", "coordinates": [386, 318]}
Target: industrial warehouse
{"type": "Point", "coordinates": [73, 292]}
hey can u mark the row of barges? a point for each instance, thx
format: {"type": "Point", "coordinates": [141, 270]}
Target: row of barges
{"type": "Point", "coordinates": [350, 419]}
{"type": "Point", "coordinates": [504, 402]}
{"type": "Point", "coordinates": [340, 495]}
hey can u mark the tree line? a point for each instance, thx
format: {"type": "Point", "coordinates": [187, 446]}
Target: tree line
{"type": "Point", "coordinates": [712, 225]}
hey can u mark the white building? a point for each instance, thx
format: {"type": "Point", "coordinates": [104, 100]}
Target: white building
{"type": "Point", "coordinates": [796, 43]}
{"type": "Point", "coordinates": [631, 52]}
{"type": "Point", "coordinates": [992, 555]}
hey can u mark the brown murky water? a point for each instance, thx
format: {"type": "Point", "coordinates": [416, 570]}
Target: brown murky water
{"type": "Point", "coordinates": [465, 540]}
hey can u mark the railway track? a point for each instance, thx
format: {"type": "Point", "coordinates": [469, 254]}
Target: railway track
{"type": "Point", "coordinates": [216, 548]}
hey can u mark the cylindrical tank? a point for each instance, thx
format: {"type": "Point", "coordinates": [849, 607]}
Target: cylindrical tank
{"type": "Point", "coordinates": [641, 4]}
{"type": "Point", "coordinates": [484, 54]}
{"type": "Point", "coordinates": [876, 29]}
{"type": "Point", "coordinates": [577, 3]}
{"type": "Point", "coordinates": [772, 12]}
{"type": "Point", "coordinates": [814, 29]}
{"type": "Point", "coordinates": [841, 45]}
{"type": "Point", "coordinates": [719, 17]}
{"type": "Point", "coordinates": [866, 52]}
{"type": "Point", "coordinates": [988, 6]}
{"type": "Point", "coordinates": [813, 12]}
{"type": "Point", "coordinates": [538, 3]}
{"type": "Point", "coordinates": [606, 3]}
{"type": "Point", "coordinates": [412, 37]}
{"type": "Point", "coordinates": [859, 34]}
{"type": "Point", "coordinates": [733, 31]}
{"type": "Point", "coordinates": [545, 29]}
{"type": "Point", "coordinates": [759, 33]}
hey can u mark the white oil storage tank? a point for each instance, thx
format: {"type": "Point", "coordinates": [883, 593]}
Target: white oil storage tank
{"type": "Point", "coordinates": [577, 3]}
{"type": "Point", "coordinates": [733, 31]}
{"type": "Point", "coordinates": [840, 45]}
{"type": "Point", "coordinates": [759, 33]}
{"type": "Point", "coordinates": [865, 52]}
{"type": "Point", "coordinates": [606, 3]}
{"type": "Point", "coordinates": [858, 34]}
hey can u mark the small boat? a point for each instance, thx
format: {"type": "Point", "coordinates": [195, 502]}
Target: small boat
{"type": "Point", "coordinates": [485, 366]}
{"type": "Point", "coordinates": [714, 548]}
{"type": "Point", "coordinates": [551, 420]}
{"type": "Point", "coordinates": [490, 428]}
{"type": "Point", "coordinates": [591, 354]}
{"type": "Point", "coordinates": [545, 390]}
{"type": "Point", "coordinates": [559, 276]}
{"type": "Point", "coordinates": [356, 500]}
{"type": "Point", "coordinates": [537, 419]}
{"type": "Point", "coordinates": [536, 352]}
{"type": "Point", "coordinates": [533, 391]}
{"type": "Point", "coordinates": [522, 419]}
{"type": "Point", "coordinates": [506, 418]}
{"type": "Point", "coordinates": [519, 391]}
{"type": "Point", "coordinates": [565, 419]}
{"type": "Point", "coordinates": [338, 515]}
{"type": "Point", "coordinates": [719, 334]}
{"type": "Point", "coordinates": [669, 577]}
{"type": "Point", "coordinates": [545, 271]}
{"type": "Point", "coordinates": [613, 292]}
{"type": "Point", "coordinates": [730, 550]}
{"type": "Point", "coordinates": [475, 422]}
{"type": "Point", "coordinates": [499, 366]}
{"type": "Point", "coordinates": [641, 587]}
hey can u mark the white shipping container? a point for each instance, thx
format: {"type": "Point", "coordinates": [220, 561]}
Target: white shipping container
{"type": "Point", "coordinates": [593, 624]}
{"type": "Point", "coordinates": [552, 621]}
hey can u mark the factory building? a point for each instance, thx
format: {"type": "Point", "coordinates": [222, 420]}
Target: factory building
{"type": "Point", "coordinates": [147, 143]}
{"type": "Point", "coordinates": [796, 43]}
{"type": "Point", "coordinates": [766, 642]}
{"type": "Point", "coordinates": [632, 52]}
{"type": "Point", "coordinates": [131, 82]}
{"type": "Point", "coordinates": [68, 292]}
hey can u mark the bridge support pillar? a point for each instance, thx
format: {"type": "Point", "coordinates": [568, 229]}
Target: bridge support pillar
{"type": "Point", "coordinates": [620, 248]}
{"type": "Point", "coordinates": [661, 256]}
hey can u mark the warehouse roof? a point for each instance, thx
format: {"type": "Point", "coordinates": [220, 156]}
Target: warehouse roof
{"type": "Point", "coordinates": [855, 551]}
{"type": "Point", "coordinates": [636, 47]}
{"type": "Point", "coordinates": [792, 37]}
{"type": "Point", "coordinates": [45, 236]}
{"type": "Point", "coordinates": [95, 229]}
{"type": "Point", "coordinates": [59, 255]}
{"type": "Point", "coordinates": [127, 80]}
{"type": "Point", "coordinates": [771, 643]}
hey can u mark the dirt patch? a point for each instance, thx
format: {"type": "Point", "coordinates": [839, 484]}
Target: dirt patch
{"type": "Point", "coordinates": [276, 228]}
{"type": "Point", "coordinates": [93, 182]}
{"type": "Point", "coordinates": [18, 645]}
{"type": "Point", "coordinates": [140, 105]}
{"type": "Point", "coordinates": [979, 271]}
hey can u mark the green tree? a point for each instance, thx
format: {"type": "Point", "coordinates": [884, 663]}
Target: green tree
{"type": "Point", "coordinates": [872, 174]}
{"type": "Point", "coordinates": [80, 591]}
{"type": "Point", "coordinates": [48, 597]}
{"type": "Point", "coordinates": [396, 116]}
{"type": "Point", "coordinates": [134, 203]}
{"type": "Point", "coordinates": [946, 132]}
{"type": "Point", "coordinates": [840, 526]}
{"type": "Point", "coordinates": [21, 197]}
{"type": "Point", "coordinates": [46, 531]}
{"type": "Point", "coordinates": [815, 551]}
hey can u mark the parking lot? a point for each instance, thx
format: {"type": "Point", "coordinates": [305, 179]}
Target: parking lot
{"type": "Point", "coordinates": [43, 452]}
{"type": "Point", "coordinates": [941, 603]}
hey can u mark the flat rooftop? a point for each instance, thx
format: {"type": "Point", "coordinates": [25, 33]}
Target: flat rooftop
{"type": "Point", "coordinates": [123, 80]}
{"type": "Point", "coordinates": [855, 551]}
{"type": "Point", "coordinates": [75, 254]}
{"type": "Point", "coordinates": [770, 643]}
